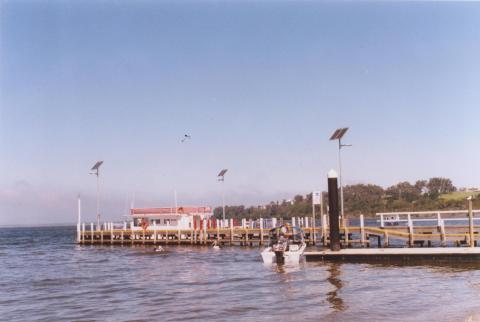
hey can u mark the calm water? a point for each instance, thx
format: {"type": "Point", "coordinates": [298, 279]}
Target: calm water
{"type": "Point", "coordinates": [44, 276]}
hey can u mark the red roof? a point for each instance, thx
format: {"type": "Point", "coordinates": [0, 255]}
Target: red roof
{"type": "Point", "coordinates": [169, 210]}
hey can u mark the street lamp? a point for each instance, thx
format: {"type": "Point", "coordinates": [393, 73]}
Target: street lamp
{"type": "Point", "coordinates": [338, 135]}
{"type": "Point", "coordinates": [94, 170]}
{"type": "Point", "coordinates": [221, 177]}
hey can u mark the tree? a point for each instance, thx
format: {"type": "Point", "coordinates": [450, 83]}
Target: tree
{"type": "Point", "coordinates": [361, 198]}
{"type": "Point", "coordinates": [298, 198]}
{"type": "Point", "coordinates": [404, 191]}
{"type": "Point", "coordinates": [421, 185]}
{"type": "Point", "coordinates": [438, 186]}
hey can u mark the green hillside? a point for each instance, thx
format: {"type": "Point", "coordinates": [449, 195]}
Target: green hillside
{"type": "Point", "coordinates": [458, 195]}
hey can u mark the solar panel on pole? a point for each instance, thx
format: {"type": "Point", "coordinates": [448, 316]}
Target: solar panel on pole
{"type": "Point", "coordinates": [334, 135]}
{"type": "Point", "coordinates": [342, 132]}
{"type": "Point", "coordinates": [97, 165]}
{"type": "Point", "coordinates": [222, 173]}
{"type": "Point", "coordinates": [339, 133]}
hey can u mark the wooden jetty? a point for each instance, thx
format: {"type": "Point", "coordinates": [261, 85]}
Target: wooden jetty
{"type": "Point", "coordinates": [422, 229]}
{"type": "Point", "coordinates": [249, 233]}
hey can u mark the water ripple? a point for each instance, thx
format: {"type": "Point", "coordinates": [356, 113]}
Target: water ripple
{"type": "Point", "coordinates": [45, 276]}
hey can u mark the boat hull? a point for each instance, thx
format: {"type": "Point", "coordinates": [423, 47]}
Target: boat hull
{"type": "Point", "coordinates": [269, 256]}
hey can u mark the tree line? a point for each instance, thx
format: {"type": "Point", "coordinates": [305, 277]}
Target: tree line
{"type": "Point", "coordinates": [366, 199]}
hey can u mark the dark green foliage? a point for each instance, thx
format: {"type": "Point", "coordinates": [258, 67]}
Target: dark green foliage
{"type": "Point", "coordinates": [364, 199]}
{"type": "Point", "coordinates": [438, 186]}
{"type": "Point", "coordinates": [361, 198]}
{"type": "Point", "coordinates": [404, 191]}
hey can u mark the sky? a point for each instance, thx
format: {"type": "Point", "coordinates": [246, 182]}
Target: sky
{"type": "Point", "coordinates": [259, 85]}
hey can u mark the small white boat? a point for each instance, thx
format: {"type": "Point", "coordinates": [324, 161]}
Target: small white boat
{"type": "Point", "coordinates": [286, 245]}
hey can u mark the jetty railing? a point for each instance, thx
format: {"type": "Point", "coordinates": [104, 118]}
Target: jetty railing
{"type": "Point", "coordinates": [388, 218]}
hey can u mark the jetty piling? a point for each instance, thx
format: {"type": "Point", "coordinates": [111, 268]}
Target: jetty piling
{"type": "Point", "coordinates": [261, 231]}
{"type": "Point", "coordinates": [83, 233]}
{"type": "Point", "coordinates": [470, 222]}
{"type": "Point", "coordinates": [411, 241]}
{"type": "Point", "coordinates": [91, 229]}
{"type": "Point", "coordinates": [362, 231]}
{"type": "Point", "coordinates": [111, 233]}
{"type": "Point", "coordinates": [334, 213]}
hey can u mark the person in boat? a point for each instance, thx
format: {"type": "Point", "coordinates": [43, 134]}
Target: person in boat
{"type": "Point", "coordinates": [281, 236]}
{"type": "Point", "coordinates": [286, 230]}
{"type": "Point", "coordinates": [286, 234]}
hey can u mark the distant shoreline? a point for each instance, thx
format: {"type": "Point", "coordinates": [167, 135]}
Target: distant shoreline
{"type": "Point", "coordinates": [38, 225]}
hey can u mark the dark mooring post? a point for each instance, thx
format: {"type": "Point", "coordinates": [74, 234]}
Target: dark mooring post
{"type": "Point", "coordinates": [333, 210]}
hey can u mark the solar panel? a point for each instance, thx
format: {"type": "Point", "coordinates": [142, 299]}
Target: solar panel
{"type": "Point", "coordinates": [222, 173]}
{"type": "Point", "coordinates": [342, 132]}
{"type": "Point", "coordinates": [339, 133]}
{"type": "Point", "coordinates": [97, 165]}
{"type": "Point", "coordinates": [334, 135]}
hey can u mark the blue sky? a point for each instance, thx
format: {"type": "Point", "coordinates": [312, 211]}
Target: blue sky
{"type": "Point", "coordinates": [260, 86]}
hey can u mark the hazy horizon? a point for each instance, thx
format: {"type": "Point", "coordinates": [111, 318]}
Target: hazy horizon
{"type": "Point", "coordinates": [259, 86]}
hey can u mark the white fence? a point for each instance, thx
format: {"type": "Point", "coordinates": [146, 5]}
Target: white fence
{"type": "Point", "coordinates": [410, 217]}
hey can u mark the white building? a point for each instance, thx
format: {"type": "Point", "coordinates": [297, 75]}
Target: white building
{"type": "Point", "coordinates": [169, 217]}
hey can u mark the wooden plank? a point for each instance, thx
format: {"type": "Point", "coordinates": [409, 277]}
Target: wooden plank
{"type": "Point", "coordinates": [410, 255]}
{"type": "Point", "coordinates": [399, 251]}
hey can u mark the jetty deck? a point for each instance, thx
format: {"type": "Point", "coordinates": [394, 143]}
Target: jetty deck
{"type": "Point", "coordinates": [386, 255]}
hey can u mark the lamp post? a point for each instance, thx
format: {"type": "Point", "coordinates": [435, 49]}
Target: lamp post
{"type": "Point", "coordinates": [95, 170]}
{"type": "Point", "coordinates": [338, 135]}
{"type": "Point", "coordinates": [221, 177]}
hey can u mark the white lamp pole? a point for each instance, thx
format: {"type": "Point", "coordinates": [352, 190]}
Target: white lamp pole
{"type": "Point", "coordinates": [340, 175]}
{"type": "Point", "coordinates": [98, 199]}
{"type": "Point", "coordinates": [221, 177]}
{"type": "Point", "coordinates": [96, 172]}
{"type": "Point", "coordinates": [223, 199]}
